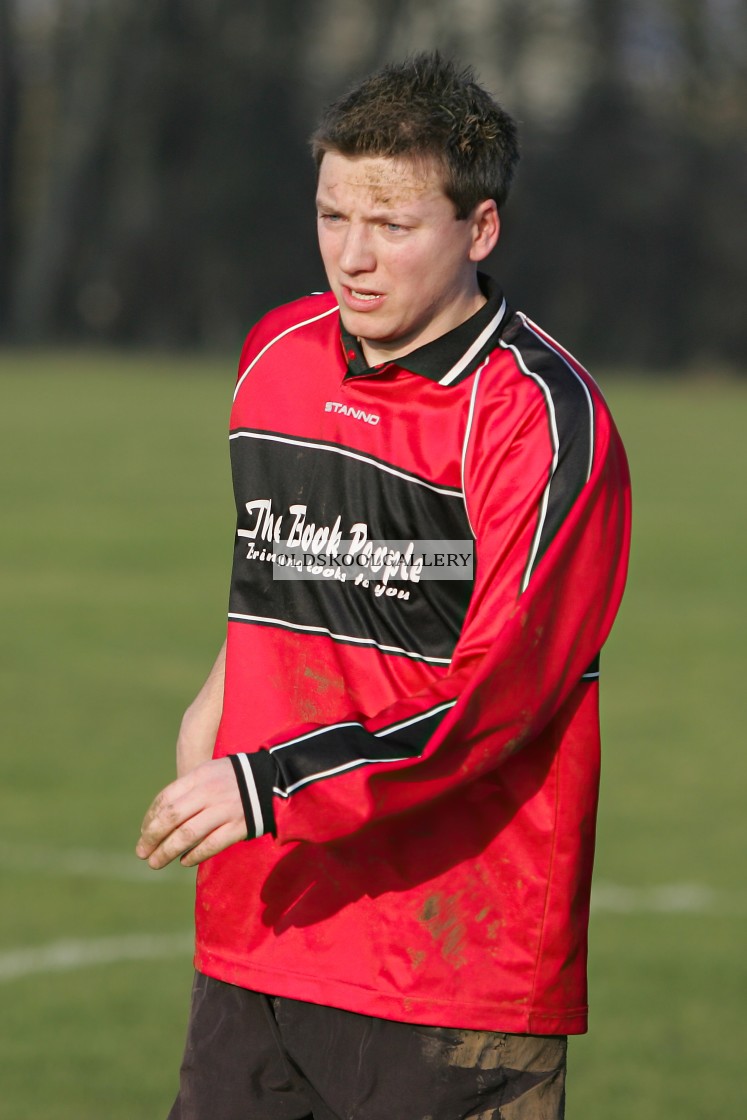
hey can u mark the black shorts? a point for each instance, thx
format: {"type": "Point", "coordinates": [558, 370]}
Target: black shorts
{"type": "Point", "coordinates": [255, 1057]}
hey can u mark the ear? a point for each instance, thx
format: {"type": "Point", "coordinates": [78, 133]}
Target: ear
{"type": "Point", "coordinates": [486, 228]}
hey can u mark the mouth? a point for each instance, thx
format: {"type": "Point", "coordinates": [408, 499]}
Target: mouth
{"type": "Point", "coordinates": [360, 299]}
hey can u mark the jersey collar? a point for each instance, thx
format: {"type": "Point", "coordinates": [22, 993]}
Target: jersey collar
{"type": "Point", "coordinates": [449, 358]}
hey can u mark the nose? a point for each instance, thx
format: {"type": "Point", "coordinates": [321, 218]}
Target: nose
{"type": "Point", "coordinates": [357, 251]}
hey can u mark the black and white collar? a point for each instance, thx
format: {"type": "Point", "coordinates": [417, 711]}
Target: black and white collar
{"type": "Point", "coordinates": [451, 357]}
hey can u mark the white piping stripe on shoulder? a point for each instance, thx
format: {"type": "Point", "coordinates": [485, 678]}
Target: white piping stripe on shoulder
{"type": "Point", "coordinates": [272, 438]}
{"type": "Point", "coordinates": [553, 343]}
{"type": "Point", "coordinates": [338, 637]}
{"type": "Point", "coordinates": [467, 434]}
{"type": "Point", "coordinates": [556, 348]}
{"type": "Point", "coordinates": [415, 719]}
{"type": "Point", "coordinates": [553, 467]}
{"type": "Point", "coordinates": [251, 789]}
{"type": "Point", "coordinates": [475, 348]}
{"type": "Point", "coordinates": [288, 330]}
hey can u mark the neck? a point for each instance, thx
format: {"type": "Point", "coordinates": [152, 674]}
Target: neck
{"type": "Point", "coordinates": [379, 351]}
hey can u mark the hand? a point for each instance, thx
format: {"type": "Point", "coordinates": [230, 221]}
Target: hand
{"type": "Point", "coordinates": [194, 818]}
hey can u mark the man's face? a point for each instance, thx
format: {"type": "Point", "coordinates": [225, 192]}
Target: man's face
{"type": "Point", "coordinates": [399, 262]}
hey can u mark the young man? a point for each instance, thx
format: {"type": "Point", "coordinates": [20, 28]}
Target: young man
{"type": "Point", "coordinates": [395, 822]}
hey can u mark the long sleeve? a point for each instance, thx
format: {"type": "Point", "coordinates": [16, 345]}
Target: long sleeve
{"type": "Point", "coordinates": [549, 509]}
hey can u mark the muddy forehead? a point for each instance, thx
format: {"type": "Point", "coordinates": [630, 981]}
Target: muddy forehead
{"type": "Point", "coordinates": [387, 182]}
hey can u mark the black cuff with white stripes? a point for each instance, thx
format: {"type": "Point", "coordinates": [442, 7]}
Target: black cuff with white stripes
{"type": "Point", "coordinates": [256, 774]}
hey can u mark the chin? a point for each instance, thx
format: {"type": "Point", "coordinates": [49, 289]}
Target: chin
{"type": "Point", "coordinates": [359, 324]}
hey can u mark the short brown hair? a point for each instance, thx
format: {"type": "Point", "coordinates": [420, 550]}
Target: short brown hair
{"type": "Point", "coordinates": [425, 107]}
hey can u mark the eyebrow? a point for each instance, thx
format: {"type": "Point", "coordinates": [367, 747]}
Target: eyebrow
{"type": "Point", "coordinates": [383, 213]}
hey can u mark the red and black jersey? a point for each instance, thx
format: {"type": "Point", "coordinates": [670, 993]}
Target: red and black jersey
{"type": "Point", "coordinates": [418, 755]}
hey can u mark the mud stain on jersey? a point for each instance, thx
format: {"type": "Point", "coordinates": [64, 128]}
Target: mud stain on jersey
{"type": "Point", "coordinates": [417, 957]}
{"type": "Point", "coordinates": [441, 917]}
{"type": "Point", "coordinates": [314, 691]}
{"type": "Point", "coordinates": [323, 683]}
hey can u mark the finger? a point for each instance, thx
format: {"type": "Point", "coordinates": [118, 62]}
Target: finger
{"type": "Point", "coordinates": [173, 806]}
{"type": "Point", "coordinates": [217, 841]}
{"type": "Point", "coordinates": [188, 810]}
{"type": "Point", "coordinates": [192, 831]}
{"type": "Point", "coordinates": [188, 834]}
{"type": "Point", "coordinates": [160, 819]}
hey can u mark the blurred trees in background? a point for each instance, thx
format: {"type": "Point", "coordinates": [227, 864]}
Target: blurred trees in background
{"type": "Point", "coordinates": [156, 187]}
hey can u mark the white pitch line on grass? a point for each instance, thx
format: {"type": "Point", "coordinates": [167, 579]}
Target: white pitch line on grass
{"type": "Point", "coordinates": [65, 956]}
{"type": "Point", "coordinates": [88, 863]}
{"type": "Point", "coordinates": [668, 898]}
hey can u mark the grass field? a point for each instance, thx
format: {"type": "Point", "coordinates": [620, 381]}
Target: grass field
{"type": "Point", "coordinates": [117, 528]}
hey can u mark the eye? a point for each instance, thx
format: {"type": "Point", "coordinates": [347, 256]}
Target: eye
{"type": "Point", "coordinates": [329, 217]}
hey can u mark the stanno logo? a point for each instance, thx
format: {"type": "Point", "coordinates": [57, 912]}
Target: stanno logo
{"type": "Point", "coordinates": [356, 413]}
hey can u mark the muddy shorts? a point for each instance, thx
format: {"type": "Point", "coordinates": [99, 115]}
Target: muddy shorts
{"type": "Point", "coordinates": [255, 1057]}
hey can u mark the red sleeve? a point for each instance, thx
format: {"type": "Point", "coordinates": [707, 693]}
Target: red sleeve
{"type": "Point", "coordinates": [550, 511]}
